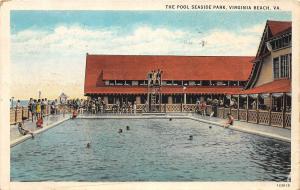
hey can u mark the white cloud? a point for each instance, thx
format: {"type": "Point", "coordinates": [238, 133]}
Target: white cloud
{"type": "Point", "coordinates": [41, 58]}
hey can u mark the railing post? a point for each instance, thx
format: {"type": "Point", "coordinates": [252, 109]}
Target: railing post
{"type": "Point", "coordinates": [283, 110]}
{"type": "Point", "coordinates": [238, 108]}
{"type": "Point", "coordinates": [28, 113]}
{"type": "Point", "coordinates": [16, 115]}
{"type": "Point", "coordinates": [22, 115]}
{"type": "Point", "coordinates": [257, 116]}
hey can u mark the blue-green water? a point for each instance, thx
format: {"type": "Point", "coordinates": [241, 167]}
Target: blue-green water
{"type": "Point", "coordinates": [152, 150]}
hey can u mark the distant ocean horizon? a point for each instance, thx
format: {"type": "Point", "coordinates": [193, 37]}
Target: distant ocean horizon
{"type": "Point", "coordinates": [23, 103]}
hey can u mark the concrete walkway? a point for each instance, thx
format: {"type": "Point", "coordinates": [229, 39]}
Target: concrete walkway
{"type": "Point", "coordinates": [49, 122]}
{"type": "Point", "coordinates": [262, 130]}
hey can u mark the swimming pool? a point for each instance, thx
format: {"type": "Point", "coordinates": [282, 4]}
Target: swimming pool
{"type": "Point", "coordinates": [152, 150]}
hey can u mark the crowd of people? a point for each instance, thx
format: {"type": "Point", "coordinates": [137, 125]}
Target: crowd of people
{"type": "Point", "coordinates": [98, 105]}
{"type": "Point", "coordinates": [39, 108]}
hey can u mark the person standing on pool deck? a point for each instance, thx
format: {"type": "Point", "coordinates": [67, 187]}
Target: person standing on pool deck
{"type": "Point", "coordinates": [43, 108]}
{"type": "Point", "coordinates": [134, 108]}
{"type": "Point", "coordinates": [29, 106]}
{"type": "Point", "coordinates": [33, 110]}
{"type": "Point", "coordinates": [38, 108]}
{"type": "Point", "coordinates": [229, 121]}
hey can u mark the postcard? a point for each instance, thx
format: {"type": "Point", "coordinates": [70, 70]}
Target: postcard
{"type": "Point", "coordinates": [149, 95]}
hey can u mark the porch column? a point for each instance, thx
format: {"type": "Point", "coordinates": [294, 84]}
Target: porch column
{"type": "Point", "coordinates": [271, 107]}
{"type": "Point", "coordinates": [257, 112]}
{"type": "Point", "coordinates": [238, 108]}
{"type": "Point", "coordinates": [247, 107]}
{"type": "Point", "coordinates": [184, 98]}
{"type": "Point", "coordinates": [283, 109]}
{"type": "Point", "coordinates": [170, 101]}
{"type": "Point", "coordinates": [105, 98]}
{"type": "Point", "coordinates": [230, 103]}
{"type": "Point", "coordinates": [138, 99]}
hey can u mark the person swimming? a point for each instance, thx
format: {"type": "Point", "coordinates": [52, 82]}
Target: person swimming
{"type": "Point", "coordinates": [229, 121]}
{"type": "Point", "coordinates": [170, 119]}
{"type": "Point", "coordinates": [127, 128]}
{"type": "Point", "coordinates": [120, 131]}
{"type": "Point", "coordinates": [210, 127]}
{"type": "Point", "coordinates": [191, 137]}
{"type": "Point", "coordinates": [88, 145]}
{"type": "Point", "coordinates": [74, 114]}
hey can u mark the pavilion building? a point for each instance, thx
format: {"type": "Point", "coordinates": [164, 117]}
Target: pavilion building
{"type": "Point", "coordinates": [260, 85]}
{"type": "Point", "coordinates": [184, 78]}
{"type": "Point", "coordinates": [267, 94]}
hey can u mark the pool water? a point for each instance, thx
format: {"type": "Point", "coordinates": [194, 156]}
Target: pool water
{"type": "Point", "coordinates": [152, 150]}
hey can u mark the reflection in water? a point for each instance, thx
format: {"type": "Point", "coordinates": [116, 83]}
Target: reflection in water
{"type": "Point", "coordinates": [273, 156]}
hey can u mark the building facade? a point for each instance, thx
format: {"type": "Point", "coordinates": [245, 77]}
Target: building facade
{"type": "Point", "coordinates": [267, 94]}
{"type": "Point", "coordinates": [260, 86]}
{"type": "Point", "coordinates": [184, 78]}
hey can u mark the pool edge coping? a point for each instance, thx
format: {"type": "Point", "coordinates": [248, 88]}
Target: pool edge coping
{"type": "Point", "coordinates": [234, 127]}
{"type": "Point", "coordinates": [254, 132]}
{"type": "Point", "coordinates": [28, 136]}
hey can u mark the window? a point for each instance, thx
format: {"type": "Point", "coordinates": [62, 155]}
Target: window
{"type": "Point", "coordinates": [112, 82]}
{"type": "Point", "coordinates": [169, 82]}
{"type": "Point", "coordinates": [142, 82]}
{"type": "Point", "coordinates": [177, 82]}
{"type": "Point", "coordinates": [205, 83]}
{"type": "Point", "coordinates": [120, 82]}
{"type": "Point", "coordinates": [276, 68]}
{"type": "Point", "coordinates": [282, 66]}
{"type": "Point", "coordinates": [281, 42]}
{"type": "Point", "coordinates": [284, 71]}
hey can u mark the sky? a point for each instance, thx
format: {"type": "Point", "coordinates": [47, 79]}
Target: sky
{"type": "Point", "coordinates": [48, 48]}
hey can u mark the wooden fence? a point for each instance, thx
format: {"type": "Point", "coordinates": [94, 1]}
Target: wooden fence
{"type": "Point", "coordinates": [264, 117]}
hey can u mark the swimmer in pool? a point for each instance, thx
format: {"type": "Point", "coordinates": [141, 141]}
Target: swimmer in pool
{"type": "Point", "coordinates": [127, 128]}
{"type": "Point", "coordinates": [229, 121]}
{"type": "Point", "coordinates": [120, 131]}
{"type": "Point", "coordinates": [191, 137]}
{"type": "Point", "coordinates": [88, 145]}
{"type": "Point", "coordinates": [170, 119]}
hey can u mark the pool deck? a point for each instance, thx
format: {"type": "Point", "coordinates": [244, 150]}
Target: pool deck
{"type": "Point", "coordinates": [283, 134]}
{"type": "Point", "coordinates": [53, 120]}
{"type": "Point", "coordinates": [49, 122]}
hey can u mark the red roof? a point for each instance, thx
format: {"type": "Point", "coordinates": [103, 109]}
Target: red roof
{"type": "Point", "coordinates": [164, 90]}
{"type": "Point", "coordinates": [277, 86]}
{"type": "Point", "coordinates": [136, 67]}
{"type": "Point", "coordinates": [277, 27]}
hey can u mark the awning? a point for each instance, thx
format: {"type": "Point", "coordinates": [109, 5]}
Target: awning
{"type": "Point", "coordinates": [164, 90]}
{"type": "Point", "coordinates": [276, 86]}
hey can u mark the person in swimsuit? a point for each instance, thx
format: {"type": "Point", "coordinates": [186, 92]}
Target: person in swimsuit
{"type": "Point", "coordinates": [24, 131]}
{"type": "Point", "coordinates": [229, 121]}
